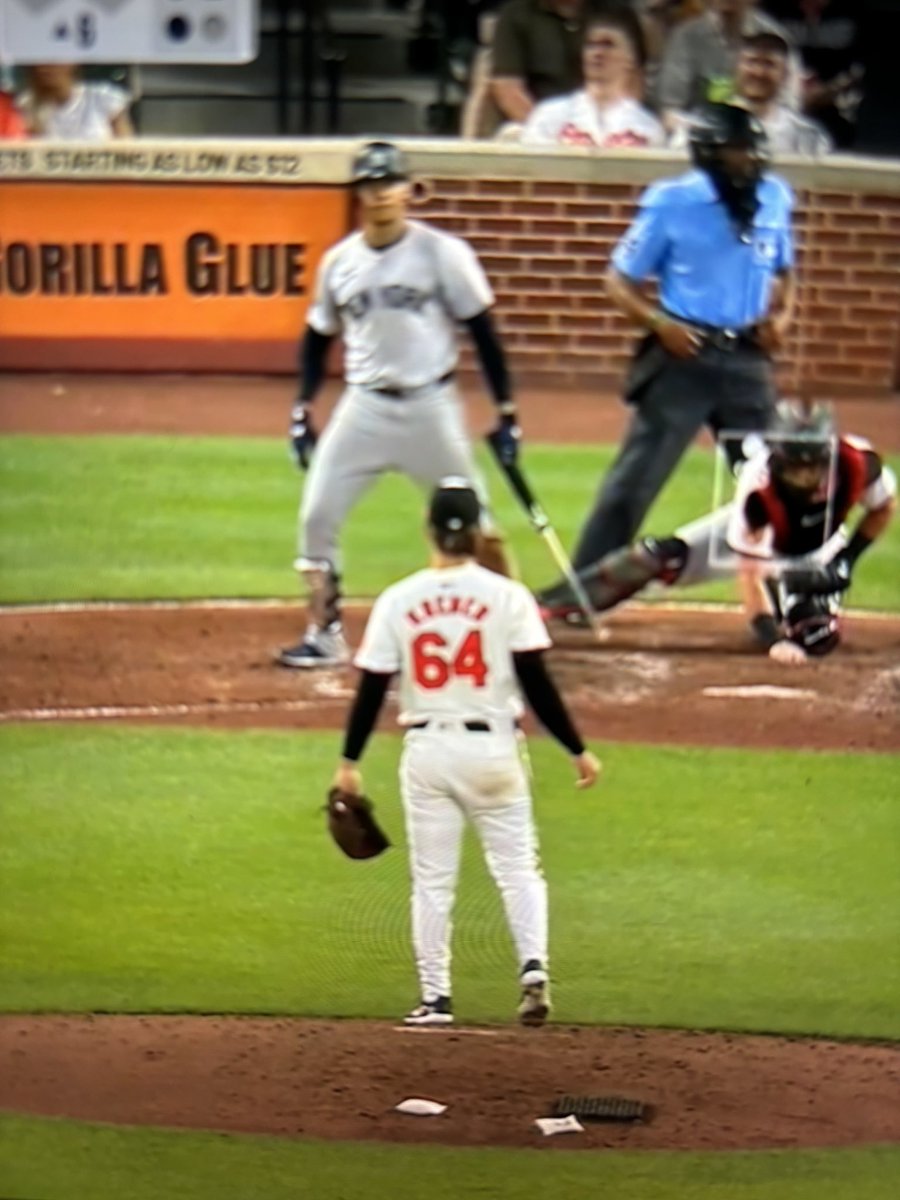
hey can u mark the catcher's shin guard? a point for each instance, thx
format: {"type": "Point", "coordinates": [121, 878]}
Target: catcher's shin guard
{"type": "Point", "coordinates": [624, 573]}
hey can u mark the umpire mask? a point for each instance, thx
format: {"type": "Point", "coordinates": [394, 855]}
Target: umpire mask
{"type": "Point", "coordinates": [729, 143]}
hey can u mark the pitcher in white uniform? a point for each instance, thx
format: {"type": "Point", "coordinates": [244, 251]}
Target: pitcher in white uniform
{"type": "Point", "coordinates": [397, 291]}
{"type": "Point", "coordinates": [464, 640]}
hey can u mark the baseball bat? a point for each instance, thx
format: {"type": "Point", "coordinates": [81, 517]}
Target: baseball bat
{"type": "Point", "coordinates": [540, 522]}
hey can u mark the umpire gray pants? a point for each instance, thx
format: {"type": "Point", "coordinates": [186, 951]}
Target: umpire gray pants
{"type": "Point", "coordinates": [673, 400]}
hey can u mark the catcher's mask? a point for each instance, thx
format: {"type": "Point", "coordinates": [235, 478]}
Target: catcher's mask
{"type": "Point", "coordinates": [801, 446]}
{"type": "Point", "coordinates": [814, 622]}
{"type": "Point", "coordinates": [730, 144]}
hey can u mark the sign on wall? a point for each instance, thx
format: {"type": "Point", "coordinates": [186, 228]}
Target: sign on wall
{"type": "Point", "coordinates": [209, 265]}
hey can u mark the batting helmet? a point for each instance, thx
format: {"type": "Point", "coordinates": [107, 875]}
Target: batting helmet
{"type": "Point", "coordinates": [814, 623]}
{"type": "Point", "coordinates": [379, 161]}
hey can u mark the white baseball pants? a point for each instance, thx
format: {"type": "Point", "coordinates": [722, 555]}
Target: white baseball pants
{"type": "Point", "coordinates": [449, 774]}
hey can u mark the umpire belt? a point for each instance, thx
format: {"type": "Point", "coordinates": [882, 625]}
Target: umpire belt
{"type": "Point", "coordinates": [405, 393]}
{"type": "Point", "coordinates": [728, 340]}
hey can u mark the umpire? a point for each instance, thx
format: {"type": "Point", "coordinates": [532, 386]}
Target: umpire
{"type": "Point", "coordinates": [718, 241]}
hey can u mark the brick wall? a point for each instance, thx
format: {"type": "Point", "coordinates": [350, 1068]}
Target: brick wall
{"type": "Point", "coordinates": [546, 245]}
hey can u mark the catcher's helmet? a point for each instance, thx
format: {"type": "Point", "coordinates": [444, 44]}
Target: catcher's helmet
{"type": "Point", "coordinates": [719, 125]}
{"type": "Point", "coordinates": [800, 437]}
{"type": "Point", "coordinates": [379, 161]}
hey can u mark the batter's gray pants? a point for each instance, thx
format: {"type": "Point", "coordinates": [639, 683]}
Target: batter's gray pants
{"type": "Point", "coordinates": [422, 435]}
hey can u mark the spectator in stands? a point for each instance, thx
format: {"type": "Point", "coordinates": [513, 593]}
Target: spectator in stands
{"type": "Point", "coordinates": [537, 51]}
{"type": "Point", "coordinates": [826, 34]}
{"type": "Point", "coordinates": [700, 59]}
{"type": "Point", "coordinates": [12, 126]}
{"type": "Point", "coordinates": [58, 104]}
{"type": "Point", "coordinates": [760, 81]}
{"type": "Point", "coordinates": [760, 78]}
{"type": "Point", "coordinates": [659, 18]}
{"type": "Point", "coordinates": [604, 113]}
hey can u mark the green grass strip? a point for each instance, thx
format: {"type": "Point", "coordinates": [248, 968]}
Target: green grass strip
{"type": "Point", "coordinates": [151, 517]}
{"type": "Point", "coordinates": [62, 1160]}
{"type": "Point", "coordinates": [190, 871]}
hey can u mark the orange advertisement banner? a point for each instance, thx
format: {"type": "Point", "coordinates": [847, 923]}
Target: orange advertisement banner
{"type": "Point", "coordinates": [158, 261]}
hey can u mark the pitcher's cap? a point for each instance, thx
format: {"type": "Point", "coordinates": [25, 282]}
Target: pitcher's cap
{"type": "Point", "coordinates": [454, 505]}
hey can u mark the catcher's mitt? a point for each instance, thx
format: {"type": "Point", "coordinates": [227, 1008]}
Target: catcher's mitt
{"type": "Point", "coordinates": [353, 826]}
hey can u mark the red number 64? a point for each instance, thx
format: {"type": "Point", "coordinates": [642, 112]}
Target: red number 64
{"type": "Point", "coordinates": [433, 667]}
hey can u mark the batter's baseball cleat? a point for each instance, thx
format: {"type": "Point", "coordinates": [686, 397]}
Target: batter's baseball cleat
{"type": "Point", "coordinates": [431, 1012]}
{"type": "Point", "coordinates": [318, 648]}
{"type": "Point", "coordinates": [534, 1007]}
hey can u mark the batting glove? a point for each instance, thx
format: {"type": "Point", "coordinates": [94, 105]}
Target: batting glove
{"type": "Point", "coordinates": [303, 436]}
{"type": "Point", "coordinates": [507, 438]}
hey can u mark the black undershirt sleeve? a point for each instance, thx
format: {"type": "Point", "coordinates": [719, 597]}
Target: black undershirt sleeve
{"type": "Point", "coordinates": [370, 696]}
{"type": "Point", "coordinates": [546, 703]}
{"type": "Point", "coordinates": [313, 352]}
{"type": "Point", "coordinates": [491, 356]}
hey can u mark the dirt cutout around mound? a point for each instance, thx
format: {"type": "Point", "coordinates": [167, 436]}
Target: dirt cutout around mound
{"type": "Point", "coordinates": [343, 1079]}
{"type": "Point", "coordinates": [661, 676]}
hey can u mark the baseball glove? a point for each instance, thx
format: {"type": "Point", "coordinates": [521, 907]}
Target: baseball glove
{"type": "Point", "coordinates": [352, 825]}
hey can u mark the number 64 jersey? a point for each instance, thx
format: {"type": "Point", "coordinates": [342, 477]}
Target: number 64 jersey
{"type": "Point", "coordinates": [451, 634]}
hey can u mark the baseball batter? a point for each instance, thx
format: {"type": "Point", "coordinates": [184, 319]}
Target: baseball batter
{"type": "Point", "coordinates": [464, 640]}
{"type": "Point", "coordinates": [397, 291]}
{"type": "Point", "coordinates": [783, 536]}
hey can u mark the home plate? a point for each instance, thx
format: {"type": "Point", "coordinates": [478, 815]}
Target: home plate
{"type": "Point", "coordinates": [760, 691]}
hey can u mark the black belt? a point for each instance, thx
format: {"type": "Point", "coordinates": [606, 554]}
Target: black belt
{"type": "Point", "coordinates": [728, 339]}
{"type": "Point", "coordinates": [472, 726]}
{"type": "Point", "coordinates": [402, 393]}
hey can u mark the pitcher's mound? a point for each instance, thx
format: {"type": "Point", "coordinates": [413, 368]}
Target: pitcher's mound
{"type": "Point", "coordinates": [342, 1079]}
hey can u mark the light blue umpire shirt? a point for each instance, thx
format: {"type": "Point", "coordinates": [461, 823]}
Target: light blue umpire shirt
{"type": "Point", "coordinates": [684, 237]}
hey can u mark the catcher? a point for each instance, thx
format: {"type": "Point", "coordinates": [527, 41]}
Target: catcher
{"type": "Point", "coordinates": [783, 536]}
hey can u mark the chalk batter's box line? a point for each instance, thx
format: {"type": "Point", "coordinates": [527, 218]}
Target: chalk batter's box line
{"type": "Point", "coordinates": [355, 603]}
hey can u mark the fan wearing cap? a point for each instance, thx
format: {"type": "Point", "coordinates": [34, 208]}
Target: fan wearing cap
{"type": "Point", "coordinates": [759, 82]}
{"type": "Point", "coordinates": [716, 244]}
{"type": "Point", "coordinates": [465, 643]}
{"type": "Point", "coordinates": [396, 291]}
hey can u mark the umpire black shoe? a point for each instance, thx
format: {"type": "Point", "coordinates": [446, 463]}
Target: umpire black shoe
{"type": "Point", "coordinates": [431, 1012]}
{"type": "Point", "coordinates": [534, 1006]}
{"type": "Point", "coordinates": [318, 648]}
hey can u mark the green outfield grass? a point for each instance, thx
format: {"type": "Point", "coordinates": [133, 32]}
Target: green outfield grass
{"type": "Point", "coordinates": [142, 517]}
{"type": "Point", "coordinates": [190, 871]}
{"type": "Point", "coordinates": [62, 1160]}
